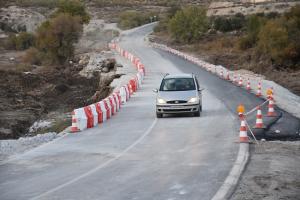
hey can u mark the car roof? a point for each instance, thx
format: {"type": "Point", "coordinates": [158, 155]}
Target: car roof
{"type": "Point", "coordinates": [179, 76]}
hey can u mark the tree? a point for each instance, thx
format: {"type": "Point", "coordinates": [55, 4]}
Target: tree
{"type": "Point", "coordinates": [188, 24]}
{"type": "Point", "coordinates": [273, 41]}
{"type": "Point", "coordinates": [73, 8]}
{"type": "Point", "coordinates": [253, 26]}
{"type": "Point", "coordinates": [56, 38]}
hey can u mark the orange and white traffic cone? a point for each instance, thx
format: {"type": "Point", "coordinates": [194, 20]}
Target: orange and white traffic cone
{"type": "Point", "coordinates": [248, 85]}
{"type": "Point", "coordinates": [258, 89]}
{"type": "Point", "coordinates": [74, 127]}
{"type": "Point", "coordinates": [271, 111]}
{"type": "Point", "coordinates": [240, 81]}
{"type": "Point", "coordinates": [243, 132]}
{"type": "Point", "coordinates": [259, 121]}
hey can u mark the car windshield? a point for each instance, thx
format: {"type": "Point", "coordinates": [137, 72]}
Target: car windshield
{"type": "Point", "coordinates": [177, 84]}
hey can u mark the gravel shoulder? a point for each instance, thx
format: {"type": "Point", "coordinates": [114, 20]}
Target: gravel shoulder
{"type": "Point", "coordinates": [272, 173]}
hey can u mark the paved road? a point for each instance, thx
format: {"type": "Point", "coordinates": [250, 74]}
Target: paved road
{"type": "Point", "coordinates": [229, 94]}
{"type": "Point", "coordinates": [134, 155]}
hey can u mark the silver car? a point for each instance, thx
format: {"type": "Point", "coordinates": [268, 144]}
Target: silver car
{"type": "Point", "coordinates": [179, 93]}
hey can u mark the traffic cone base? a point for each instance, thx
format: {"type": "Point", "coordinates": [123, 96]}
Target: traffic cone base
{"type": "Point", "coordinates": [272, 114]}
{"type": "Point", "coordinates": [259, 127]}
{"type": "Point", "coordinates": [74, 127]}
{"type": "Point", "coordinates": [244, 139]}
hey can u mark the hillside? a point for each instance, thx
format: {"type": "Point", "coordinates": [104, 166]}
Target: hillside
{"type": "Point", "coordinates": [19, 15]}
{"type": "Point", "coordinates": [263, 43]}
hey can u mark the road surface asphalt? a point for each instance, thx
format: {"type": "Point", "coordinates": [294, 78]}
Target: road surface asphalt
{"type": "Point", "coordinates": [134, 155]}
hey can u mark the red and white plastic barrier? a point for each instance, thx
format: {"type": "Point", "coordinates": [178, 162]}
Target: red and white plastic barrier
{"type": "Point", "coordinates": [99, 112]}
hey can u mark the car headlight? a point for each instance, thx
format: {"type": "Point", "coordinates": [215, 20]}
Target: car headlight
{"type": "Point", "coordinates": [161, 101]}
{"type": "Point", "coordinates": [193, 100]}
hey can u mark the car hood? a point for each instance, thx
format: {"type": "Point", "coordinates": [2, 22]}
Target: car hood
{"type": "Point", "coordinates": [177, 95]}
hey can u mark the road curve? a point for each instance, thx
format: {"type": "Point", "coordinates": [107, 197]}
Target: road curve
{"type": "Point", "coordinates": [134, 155]}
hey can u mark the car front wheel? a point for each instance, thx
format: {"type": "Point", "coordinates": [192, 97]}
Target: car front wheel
{"type": "Point", "coordinates": [197, 113]}
{"type": "Point", "coordinates": [159, 115]}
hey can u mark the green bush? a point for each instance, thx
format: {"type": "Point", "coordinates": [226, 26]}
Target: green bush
{"type": "Point", "coordinates": [164, 21]}
{"type": "Point", "coordinates": [104, 3]}
{"type": "Point", "coordinates": [279, 39]}
{"type": "Point", "coordinates": [24, 40]}
{"type": "Point", "coordinates": [273, 40]}
{"type": "Point", "coordinates": [21, 41]}
{"type": "Point", "coordinates": [10, 43]}
{"type": "Point", "coordinates": [128, 3]}
{"type": "Point", "coordinates": [223, 24]}
{"type": "Point", "coordinates": [131, 19]}
{"type": "Point", "coordinates": [73, 8]}
{"type": "Point", "coordinates": [37, 3]}
{"type": "Point", "coordinates": [56, 38]}
{"type": "Point", "coordinates": [188, 24]}
{"type": "Point", "coordinates": [253, 26]}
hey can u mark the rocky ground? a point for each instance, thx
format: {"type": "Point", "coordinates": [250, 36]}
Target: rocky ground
{"type": "Point", "coordinates": [18, 19]}
{"type": "Point", "coordinates": [272, 173]}
{"type": "Point", "coordinates": [222, 8]}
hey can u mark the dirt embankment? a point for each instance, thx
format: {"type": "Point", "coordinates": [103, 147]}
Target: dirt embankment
{"type": "Point", "coordinates": [27, 96]}
{"type": "Point", "coordinates": [29, 93]}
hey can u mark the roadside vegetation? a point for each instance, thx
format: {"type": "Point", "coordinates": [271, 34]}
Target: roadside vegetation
{"type": "Point", "coordinates": [264, 43]}
{"type": "Point", "coordinates": [37, 3]}
{"type": "Point", "coordinates": [53, 42]}
{"type": "Point", "coordinates": [133, 18]}
{"type": "Point", "coordinates": [130, 3]}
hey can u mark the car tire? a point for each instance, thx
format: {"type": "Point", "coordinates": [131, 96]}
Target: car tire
{"type": "Point", "coordinates": [159, 115]}
{"type": "Point", "coordinates": [197, 113]}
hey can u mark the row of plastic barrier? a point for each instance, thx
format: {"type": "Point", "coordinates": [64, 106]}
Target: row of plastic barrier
{"type": "Point", "coordinates": [218, 70]}
{"type": "Point", "coordinates": [99, 112]}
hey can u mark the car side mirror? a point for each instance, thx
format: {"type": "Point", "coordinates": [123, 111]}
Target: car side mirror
{"type": "Point", "coordinates": [155, 90]}
{"type": "Point", "coordinates": [201, 89]}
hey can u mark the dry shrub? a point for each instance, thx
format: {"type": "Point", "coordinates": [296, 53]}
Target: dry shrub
{"type": "Point", "coordinates": [33, 56]}
{"type": "Point", "coordinates": [23, 67]}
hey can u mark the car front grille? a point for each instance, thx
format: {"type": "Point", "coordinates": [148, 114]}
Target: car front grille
{"type": "Point", "coordinates": [177, 110]}
{"type": "Point", "coordinates": [176, 102]}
